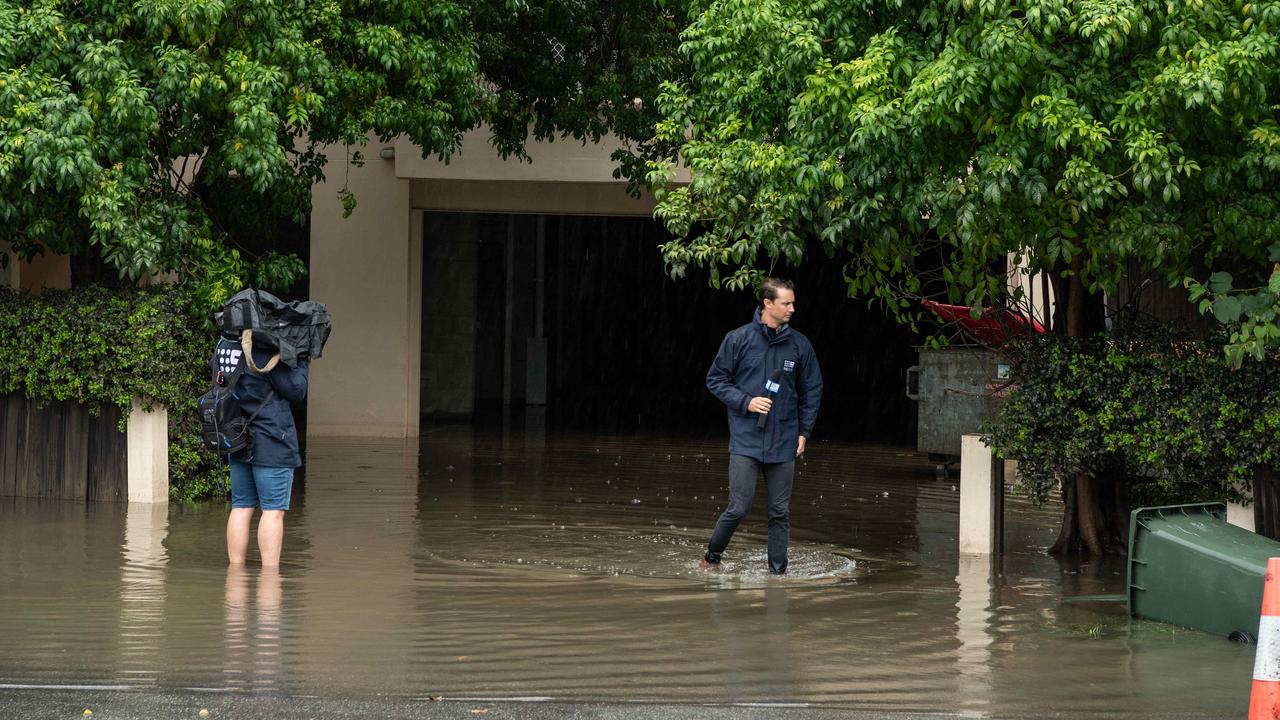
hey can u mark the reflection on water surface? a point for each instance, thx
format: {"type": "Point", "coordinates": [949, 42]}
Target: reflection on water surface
{"type": "Point", "coordinates": [488, 564]}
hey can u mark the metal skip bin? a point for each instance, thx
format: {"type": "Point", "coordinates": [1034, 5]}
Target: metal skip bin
{"type": "Point", "coordinates": [1187, 566]}
{"type": "Point", "coordinates": [957, 389]}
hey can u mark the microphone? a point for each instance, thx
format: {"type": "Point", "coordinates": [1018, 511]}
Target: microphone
{"type": "Point", "coordinates": [771, 387]}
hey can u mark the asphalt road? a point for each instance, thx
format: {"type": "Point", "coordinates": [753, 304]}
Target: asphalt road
{"type": "Point", "coordinates": [97, 704]}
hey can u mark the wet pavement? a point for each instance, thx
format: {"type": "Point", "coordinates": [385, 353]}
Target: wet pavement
{"type": "Point", "coordinates": [542, 575]}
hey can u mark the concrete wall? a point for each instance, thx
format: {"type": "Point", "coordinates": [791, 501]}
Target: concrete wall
{"type": "Point", "coordinates": [551, 198]}
{"type": "Point", "coordinates": [562, 161]}
{"type": "Point", "coordinates": [47, 271]}
{"type": "Point", "coordinates": [366, 268]}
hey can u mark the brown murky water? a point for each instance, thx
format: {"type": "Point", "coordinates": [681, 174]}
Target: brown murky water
{"type": "Point", "coordinates": [483, 564]}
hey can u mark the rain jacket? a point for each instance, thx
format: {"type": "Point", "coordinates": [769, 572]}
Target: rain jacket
{"type": "Point", "coordinates": [747, 358]}
{"type": "Point", "coordinates": [275, 438]}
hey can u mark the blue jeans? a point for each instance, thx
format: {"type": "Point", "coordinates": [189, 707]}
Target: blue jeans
{"type": "Point", "coordinates": [260, 486]}
{"type": "Point", "coordinates": [742, 488]}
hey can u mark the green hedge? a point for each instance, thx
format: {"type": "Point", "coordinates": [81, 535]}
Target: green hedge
{"type": "Point", "coordinates": [1165, 409]}
{"type": "Point", "coordinates": [102, 347]}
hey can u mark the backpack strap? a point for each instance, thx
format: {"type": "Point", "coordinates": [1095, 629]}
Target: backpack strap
{"type": "Point", "coordinates": [246, 344]}
{"type": "Point", "coordinates": [233, 379]}
{"type": "Point", "coordinates": [247, 359]}
{"type": "Point", "coordinates": [270, 394]}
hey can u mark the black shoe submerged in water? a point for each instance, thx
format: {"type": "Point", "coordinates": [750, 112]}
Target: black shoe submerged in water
{"type": "Point", "coordinates": [710, 561]}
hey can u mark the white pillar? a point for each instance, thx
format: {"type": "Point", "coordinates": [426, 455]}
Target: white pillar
{"type": "Point", "coordinates": [1240, 515]}
{"type": "Point", "coordinates": [148, 454]}
{"type": "Point", "coordinates": [978, 507]}
{"type": "Point", "coordinates": [1037, 292]}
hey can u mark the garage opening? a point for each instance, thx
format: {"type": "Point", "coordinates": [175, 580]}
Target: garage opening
{"type": "Point", "coordinates": [576, 315]}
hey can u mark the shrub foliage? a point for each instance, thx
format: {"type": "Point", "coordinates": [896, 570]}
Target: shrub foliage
{"type": "Point", "coordinates": [1167, 410]}
{"type": "Point", "coordinates": [101, 347]}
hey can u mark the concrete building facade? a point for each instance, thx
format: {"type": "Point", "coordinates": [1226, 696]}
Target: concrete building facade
{"type": "Point", "coordinates": [46, 272]}
{"type": "Point", "coordinates": [368, 268]}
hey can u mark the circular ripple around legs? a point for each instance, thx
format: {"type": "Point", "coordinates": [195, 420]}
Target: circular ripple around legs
{"type": "Point", "coordinates": [607, 551]}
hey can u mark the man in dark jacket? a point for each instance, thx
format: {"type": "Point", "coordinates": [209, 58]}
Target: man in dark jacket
{"type": "Point", "coordinates": [262, 476]}
{"type": "Point", "coordinates": [767, 376]}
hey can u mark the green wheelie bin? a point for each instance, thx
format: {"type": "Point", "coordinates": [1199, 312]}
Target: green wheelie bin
{"type": "Point", "coordinates": [1189, 567]}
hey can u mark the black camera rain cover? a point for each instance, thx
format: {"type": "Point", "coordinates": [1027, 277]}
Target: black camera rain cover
{"type": "Point", "coordinates": [296, 329]}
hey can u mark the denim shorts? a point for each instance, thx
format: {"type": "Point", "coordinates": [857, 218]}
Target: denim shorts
{"type": "Point", "coordinates": [259, 486]}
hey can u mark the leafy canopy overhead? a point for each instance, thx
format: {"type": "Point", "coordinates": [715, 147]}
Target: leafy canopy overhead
{"type": "Point", "coordinates": [135, 125]}
{"type": "Point", "coordinates": [1093, 133]}
{"type": "Point", "coordinates": [143, 130]}
{"type": "Point", "coordinates": [582, 68]}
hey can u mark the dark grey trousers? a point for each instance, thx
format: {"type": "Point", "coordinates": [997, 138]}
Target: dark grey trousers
{"type": "Point", "coordinates": [742, 488]}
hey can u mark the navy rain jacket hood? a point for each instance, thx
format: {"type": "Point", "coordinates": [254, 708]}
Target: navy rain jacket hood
{"type": "Point", "coordinates": [275, 438]}
{"type": "Point", "coordinates": [747, 358]}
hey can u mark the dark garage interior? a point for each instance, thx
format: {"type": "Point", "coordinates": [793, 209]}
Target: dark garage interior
{"type": "Point", "coordinates": [577, 313]}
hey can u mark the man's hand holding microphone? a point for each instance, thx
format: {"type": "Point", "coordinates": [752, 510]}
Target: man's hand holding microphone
{"type": "Point", "coordinates": [760, 405]}
{"type": "Point", "coordinates": [764, 403]}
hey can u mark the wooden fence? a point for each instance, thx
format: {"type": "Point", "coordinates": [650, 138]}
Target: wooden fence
{"type": "Point", "coordinates": [61, 451]}
{"type": "Point", "coordinates": [1266, 503]}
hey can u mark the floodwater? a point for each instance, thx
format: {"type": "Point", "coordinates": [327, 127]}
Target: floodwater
{"type": "Point", "coordinates": [491, 564]}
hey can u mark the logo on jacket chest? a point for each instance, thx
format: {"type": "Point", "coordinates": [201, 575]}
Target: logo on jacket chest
{"type": "Point", "coordinates": [788, 366]}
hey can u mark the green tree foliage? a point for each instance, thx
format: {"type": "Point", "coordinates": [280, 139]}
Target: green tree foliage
{"type": "Point", "coordinates": [137, 126]}
{"type": "Point", "coordinates": [1252, 314]}
{"type": "Point", "coordinates": [582, 70]}
{"type": "Point", "coordinates": [144, 130]}
{"type": "Point", "coordinates": [98, 348]}
{"type": "Point", "coordinates": [1093, 133]}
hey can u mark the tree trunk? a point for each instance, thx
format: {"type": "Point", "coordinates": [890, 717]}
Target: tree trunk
{"type": "Point", "coordinates": [1095, 515]}
{"type": "Point", "coordinates": [1068, 536]}
{"type": "Point", "coordinates": [1085, 530]}
{"type": "Point", "coordinates": [1118, 514]}
{"type": "Point", "coordinates": [1076, 300]}
{"type": "Point", "coordinates": [1091, 504]}
{"type": "Point", "coordinates": [1092, 530]}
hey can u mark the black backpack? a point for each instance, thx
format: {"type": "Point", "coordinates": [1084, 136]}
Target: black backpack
{"type": "Point", "coordinates": [224, 429]}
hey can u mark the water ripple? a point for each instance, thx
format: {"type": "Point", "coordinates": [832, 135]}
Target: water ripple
{"type": "Point", "coordinates": [488, 565]}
